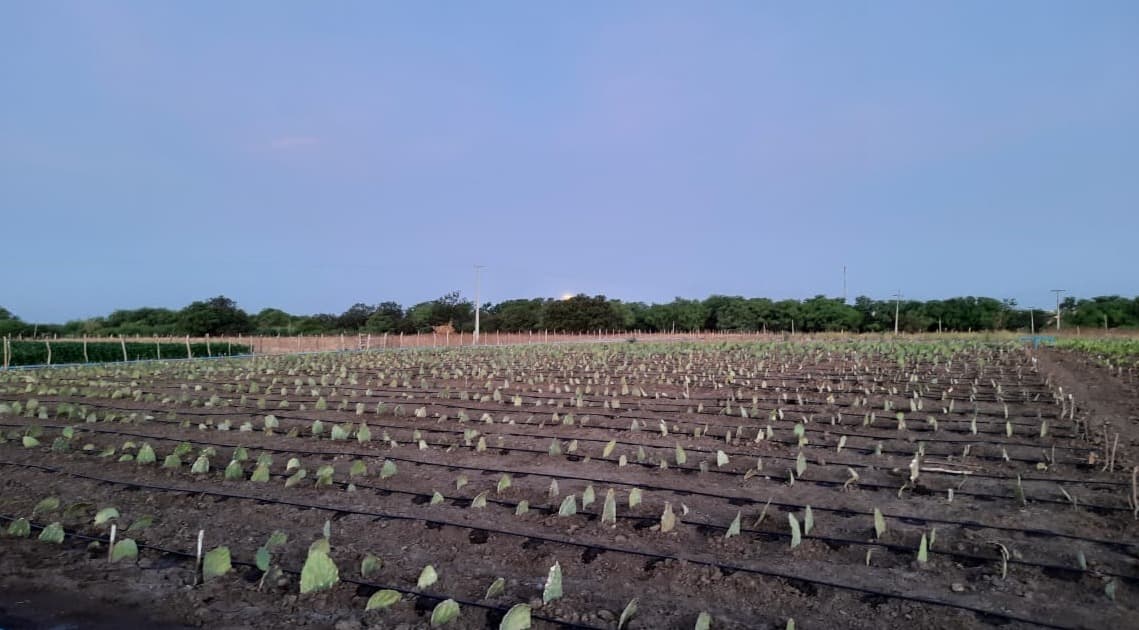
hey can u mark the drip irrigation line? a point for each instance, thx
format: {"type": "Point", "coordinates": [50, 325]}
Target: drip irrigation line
{"type": "Point", "coordinates": [766, 572]}
{"type": "Point", "coordinates": [736, 453]}
{"type": "Point", "coordinates": [552, 509]}
{"type": "Point", "coordinates": [404, 591]}
{"type": "Point", "coordinates": [680, 405]}
{"type": "Point", "coordinates": [832, 371]}
{"type": "Point", "coordinates": [604, 427]}
{"type": "Point", "coordinates": [689, 435]}
{"type": "Point", "coordinates": [807, 428]}
{"type": "Point", "coordinates": [734, 500]}
{"type": "Point", "coordinates": [669, 403]}
{"type": "Point", "coordinates": [647, 465]}
{"type": "Point", "coordinates": [641, 412]}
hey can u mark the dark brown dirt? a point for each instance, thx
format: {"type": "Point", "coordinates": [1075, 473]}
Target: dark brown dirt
{"type": "Point", "coordinates": [1109, 400]}
{"type": "Point", "coordinates": [753, 580]}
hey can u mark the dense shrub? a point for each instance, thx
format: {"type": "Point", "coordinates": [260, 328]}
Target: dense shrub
{"type": "Point", "coordinates": [35, 352]}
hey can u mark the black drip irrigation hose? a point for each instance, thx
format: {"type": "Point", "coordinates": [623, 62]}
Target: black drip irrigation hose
{"type": "Point", "coordinates": [878, 487]}
{"type": "Point", "coordinates": [500, 610]}
{"type": "Point", "coordinates": [734, 453]}
{"type": "Point", "coordinates": [826, 365]}
{"type": "Point", "coordinates": [679, 406]}
{"type": "Point", "coordinates": [757, 533]}
{"type": "Point", "coordinates": [733, 500]}
{"type": "Point", "coordinates": [665, 402]}
{"type": "Point", "coordinates": [690, 434]}
{"type": "Point", "coordinates": [671, 405]}
{"type": "Point", "coordinates": [766, 572]}
{"type": "Point", "coordinates": [636, 414]}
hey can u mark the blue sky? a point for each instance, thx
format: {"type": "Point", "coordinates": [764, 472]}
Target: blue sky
{"type": "Point", "coordinates": [309, 155]}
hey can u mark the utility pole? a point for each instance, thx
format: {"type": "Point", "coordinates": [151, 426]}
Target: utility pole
{"type": "Point", "coordinates": [478, 270]}
{"type": "Point", "coordinates": [897, 309]}
{"type": "Point", "coordinates": [844, 284]}
{"type": "Point", "coordinates": [1058, 292]}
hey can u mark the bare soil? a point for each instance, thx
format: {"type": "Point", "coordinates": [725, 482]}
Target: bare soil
{"type": "Point", "coordinates": [841, 576]}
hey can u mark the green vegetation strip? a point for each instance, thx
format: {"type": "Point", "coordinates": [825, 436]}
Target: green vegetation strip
{"type": "Point", "coordinates": [68, 352]}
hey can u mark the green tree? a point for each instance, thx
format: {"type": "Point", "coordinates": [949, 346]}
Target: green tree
{"type": "Point", "coordinates": [10, 324]}
{"type": "Point", "coordinates": [455, 310]}
{"type": "Point", "coordinates": [738, 314]}
{"type": "Point", "coordinates": [142, 321]}
{"type": "Point", "coordinates": [319, 324]}
{"type": "Point", "coordinates": [355, 318]}
{"type": "Point", "coordinates": [822, 313]}
{"type": "Point", "coordinates": [216, 316]}
{"type": "Point", "coordinates": [680, 314]}
{"type": "Point", "coordinates": [786, 316]}
{"type": "Point", "coordinates": [387, 318]}
{"type": "Point", "coordinates": [582, 313]}
{"type": "Point", "coordinates": [273, 321]}
{"type": "Point", "coordinates": [517, 315]}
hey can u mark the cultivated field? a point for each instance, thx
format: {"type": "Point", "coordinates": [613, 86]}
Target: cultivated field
{"type": "Point", "coordinates": [923, 484]}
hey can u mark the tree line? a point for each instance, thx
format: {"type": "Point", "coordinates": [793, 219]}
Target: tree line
{"type": "Point", "coordinates": [580, 313]}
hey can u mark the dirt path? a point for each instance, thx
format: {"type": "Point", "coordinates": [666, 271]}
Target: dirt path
{"type": "Point", "coordinates": [1107, 401]}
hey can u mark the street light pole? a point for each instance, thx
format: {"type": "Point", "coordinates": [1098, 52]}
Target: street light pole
{"type": "Point", "coordinates": [1058, 292]}
{"type": "Point", "coordinates": [897, 309]}
{"type": "Point", "coordinates": [478, 269]}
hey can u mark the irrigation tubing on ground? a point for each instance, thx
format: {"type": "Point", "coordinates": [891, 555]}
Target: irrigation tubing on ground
{"type": "Point", "coordinates": [716, 400]}
{"type": "Point", "coordinates": [1040, 386]}
{"type": "Point", "coordinates": [1091, 507]}
{"type": "Point", "coordinates": [734, 500]}
{"type": "Point", "coordinates": [694, 449]}
{"type": "Point", "coordinates": [878, 487]}
{"type": "Point", "coordinates": [682, 406]}
{"type": "Point", "coordinates": [689, 434]}
{"type": "Point", "coordinates": [767, 572]}
{"type": "Point", "coordinates": [897, 548]}
{"type": "Point", "coordinates": [502, 610]}
{"type": "Point", "coordinates": [283, 415]}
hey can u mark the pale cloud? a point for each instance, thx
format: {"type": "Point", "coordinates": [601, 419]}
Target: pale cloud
{"type": "Point", "coordinates": [285, 143]}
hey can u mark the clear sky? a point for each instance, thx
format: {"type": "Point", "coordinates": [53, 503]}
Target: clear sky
{"type": "Point", "coordinates": [309, 155]}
